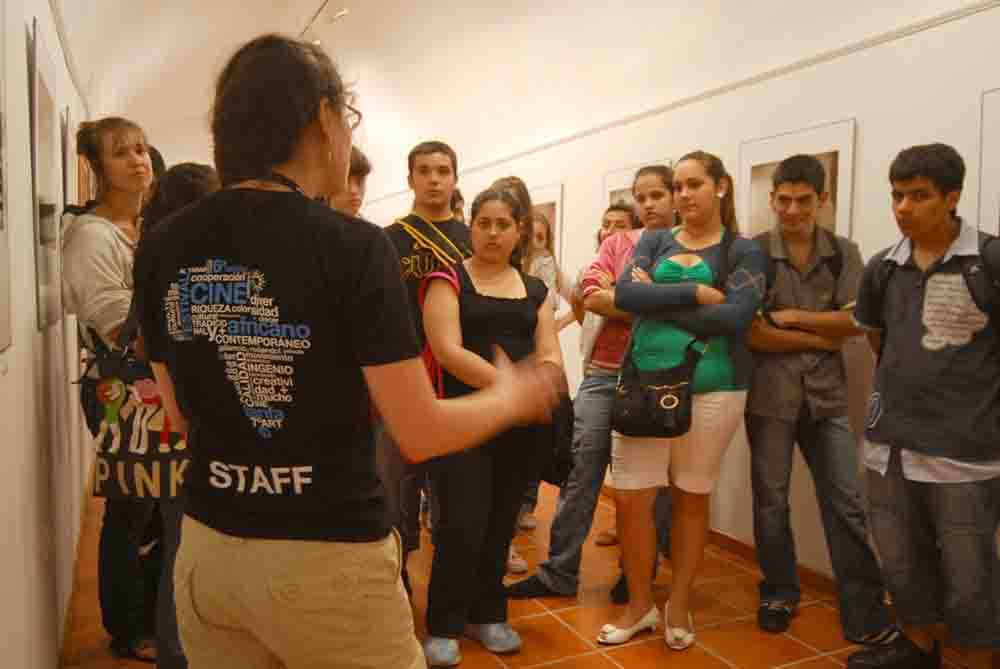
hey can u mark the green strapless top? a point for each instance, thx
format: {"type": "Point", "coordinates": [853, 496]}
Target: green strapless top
{"type": "Point", "coordinates": [659, 345]}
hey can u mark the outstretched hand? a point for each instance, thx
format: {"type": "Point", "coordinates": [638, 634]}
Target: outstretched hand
{"type": "Point", "coordinates": [532, 390]}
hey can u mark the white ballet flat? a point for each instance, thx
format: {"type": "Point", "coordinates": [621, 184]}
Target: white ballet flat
{"type": "Point", "coordinates": [612, 636]}
{"type": "Point", "coordinates": [676, 637]}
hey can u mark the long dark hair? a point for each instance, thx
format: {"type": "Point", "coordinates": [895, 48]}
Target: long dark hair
{"type": "Point", "coordinates": [265, 97]}
{"type": "Point", "coordinates": [508, 198]}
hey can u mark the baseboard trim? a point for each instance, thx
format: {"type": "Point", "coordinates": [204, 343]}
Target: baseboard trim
{"type": "Point", "coordinates": [809, 577]}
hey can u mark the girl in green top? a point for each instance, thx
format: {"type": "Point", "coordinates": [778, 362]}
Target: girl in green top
{"type": "Point", "coordinates": [672, 288]}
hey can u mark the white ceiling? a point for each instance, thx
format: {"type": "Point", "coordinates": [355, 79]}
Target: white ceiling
{"type": "Point", "coordinates": [491, 78]}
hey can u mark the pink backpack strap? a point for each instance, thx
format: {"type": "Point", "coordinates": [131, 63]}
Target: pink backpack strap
{"type": "Point", "coordinates": [448, 275]}
{"type": "Point", "coordinates": [433, 368]}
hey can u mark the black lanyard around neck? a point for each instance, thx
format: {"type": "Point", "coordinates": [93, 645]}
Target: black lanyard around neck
{"type": "Point", "coordinates": [278, 177]}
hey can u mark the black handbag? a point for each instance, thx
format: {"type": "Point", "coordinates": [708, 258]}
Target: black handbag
{"type": "Point", "coordinates": [558, 460]}
{"type": "Point", "coordinates": [655, 403]}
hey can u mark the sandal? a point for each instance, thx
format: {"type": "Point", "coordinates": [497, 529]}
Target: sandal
{"type": "Point", "coordinates": [677, 638]}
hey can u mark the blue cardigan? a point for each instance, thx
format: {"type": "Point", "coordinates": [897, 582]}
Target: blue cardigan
{"type": "Point", "coordinates": [677, 303]}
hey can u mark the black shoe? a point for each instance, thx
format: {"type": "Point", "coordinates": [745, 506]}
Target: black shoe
{"type": "Point", "coordinates": [774, 617]}
{"type": "Point", "coordinates": [531, 588]}
{"type": "Point", "coordinates": [884, 637]}
{"type": "Point", "coordinates": [619, 593]}
{"type": "Point", "coordinates": [900, 654]}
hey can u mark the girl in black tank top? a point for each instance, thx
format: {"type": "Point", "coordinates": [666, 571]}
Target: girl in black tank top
{"type": "Point", "coordinates": [490, 306]}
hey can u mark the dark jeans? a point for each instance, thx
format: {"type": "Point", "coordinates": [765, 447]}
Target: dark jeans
{"type": "Point", "coordinates": [830, 451]}
{"type": "Point", "coordinates": [121, 582]}
{"type": "Point", "coordinates": [402, 482]}
{"type": "Point", "coordinates": [170, 655]}
{"type": "Point", "coordinates": [938, 547]}
{"type": "Point", "coordinates": [478, 493]}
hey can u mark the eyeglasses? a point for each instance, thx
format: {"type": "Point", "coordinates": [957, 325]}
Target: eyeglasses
{"type": "Point", "coordinates": [352, 116]}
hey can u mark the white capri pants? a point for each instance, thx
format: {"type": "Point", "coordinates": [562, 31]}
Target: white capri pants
{"type": "Point", "coordinates": [692, 461]}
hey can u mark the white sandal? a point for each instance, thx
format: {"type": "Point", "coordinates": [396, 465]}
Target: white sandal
{"type": "Point", "coordinates": [612, 635]}
{"type": "Point", "coordinates": [677, 638]}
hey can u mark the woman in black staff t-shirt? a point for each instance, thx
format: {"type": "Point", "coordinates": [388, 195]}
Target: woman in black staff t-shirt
{"type": "Point", "coordinates": [267, 319]}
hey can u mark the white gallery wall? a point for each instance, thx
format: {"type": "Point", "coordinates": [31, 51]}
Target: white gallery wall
{"type": "Point", "coordinates": [43, 453]}
{"type": "Point", "coordinates": [923, 87]}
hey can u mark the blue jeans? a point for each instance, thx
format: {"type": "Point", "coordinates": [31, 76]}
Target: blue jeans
{"type": "Point", "coordinates": [829, 449]}
{"type": "Point", "coordinates": [939, 554]}
{"type": "Point", "coordinates": [578, 498]}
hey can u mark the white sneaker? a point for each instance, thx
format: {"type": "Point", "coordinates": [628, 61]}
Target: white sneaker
{"type": "Point", "coordinates": [515, 563]}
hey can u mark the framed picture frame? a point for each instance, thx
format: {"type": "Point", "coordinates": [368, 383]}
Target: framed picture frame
{"type": "Point", "coordinates": [548, 201]}
{"type": "Point", "coordinates": [989, 162]}
{"type": "Point", "coordinates": [831, 143]}
{"type": "Point", "coordinates": [46, 186]}
{"type": "Point", "coordinates": [618, 183]}
{"type": "Point", "coordinates": [6, 316]}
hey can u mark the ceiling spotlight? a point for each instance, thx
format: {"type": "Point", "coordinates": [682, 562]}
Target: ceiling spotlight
{"type": "Point", "coordinates": [339, 15]}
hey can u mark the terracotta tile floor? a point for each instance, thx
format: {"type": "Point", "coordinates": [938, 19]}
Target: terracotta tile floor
{"type": "Point", "coordinates": [560, 633]}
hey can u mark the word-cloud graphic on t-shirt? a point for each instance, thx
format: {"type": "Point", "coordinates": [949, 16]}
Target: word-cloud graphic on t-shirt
{"type": "Point", "coordinates": [225, 304]}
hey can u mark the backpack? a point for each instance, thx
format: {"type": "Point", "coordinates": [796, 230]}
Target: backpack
{"type": "Point", "coordinates": [983, 283]}
{"type": "Point", "coordinates": [835, 263]}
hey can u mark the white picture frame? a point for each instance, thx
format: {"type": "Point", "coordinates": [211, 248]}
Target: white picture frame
{"type": "Point", "coordinates": [989, 162]}
{"type": "Point", "coordinates": [46, 186]}
{"type": "Point", "coordinates": [832, 143]}
{"type": "Point", "coordinates": [618, 183]}
{"type": "Point", "coordinates": [548, 201]}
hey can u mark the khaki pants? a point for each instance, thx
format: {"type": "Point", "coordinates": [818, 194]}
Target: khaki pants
{"type": "Point", "coordinates": [264, 604]}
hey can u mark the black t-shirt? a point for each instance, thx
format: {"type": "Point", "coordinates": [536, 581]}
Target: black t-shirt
{"type": "Point", "coordinates": [487, 321]}
{"type": "Point", "coordinates": [440, 244]}
{"type": "Point", "coordinates": [265, 306]}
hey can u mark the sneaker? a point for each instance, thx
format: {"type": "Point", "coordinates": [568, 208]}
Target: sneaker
{"type": "Point", "coordinates": [495, 637]}
{"type": "Point", "coordinates": [526, 520]}
{"type": "Point", "coordinates": [532, 587]}
{"type": "Point", "coordinates": [775, 617]}
{"type": "Point", "coordinates": [442, 652]}
{"type": "Point", "coordinates": [900, 654]}
{"type": "Point", "coordinates": [515, 563]}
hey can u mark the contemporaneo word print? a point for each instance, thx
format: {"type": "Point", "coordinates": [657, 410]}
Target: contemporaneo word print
{"type": "Point", "coordinates": [225, 304]}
